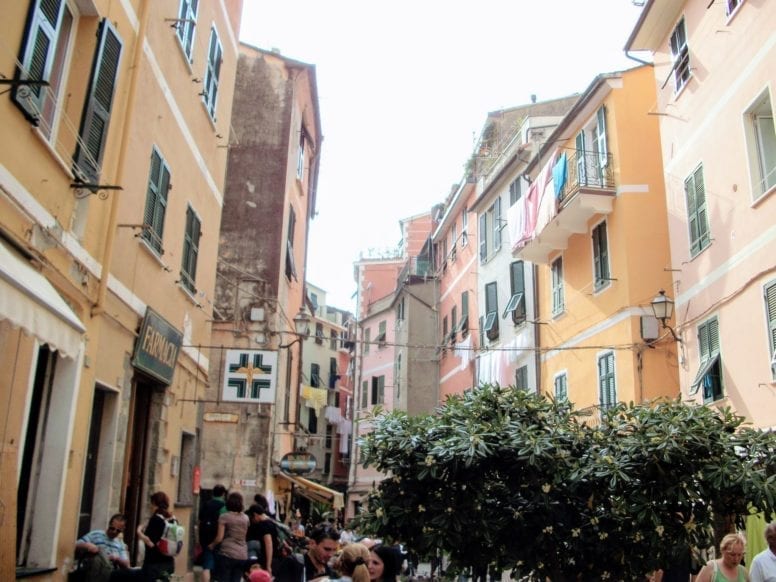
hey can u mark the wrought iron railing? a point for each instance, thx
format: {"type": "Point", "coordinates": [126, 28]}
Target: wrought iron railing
{"type": "Point", "coordinates": [586, 170]}
{"type": "Point", "coordinates": [416, 266]}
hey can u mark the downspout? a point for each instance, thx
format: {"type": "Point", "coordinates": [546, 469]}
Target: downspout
{"type": "Point", "coordinates": [110, 234]}
{"type": "Point", "coordinates": [637, 59]}
{"type": "Point", "coordinates": [537, 330]}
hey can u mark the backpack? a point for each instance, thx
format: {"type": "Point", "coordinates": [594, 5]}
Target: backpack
{"type": "Point", "coordinates": [171, 542]}
{"type": "Point", "coordinates": [208, 520]}
{"type": "Point", "coordinates": [283, 535]}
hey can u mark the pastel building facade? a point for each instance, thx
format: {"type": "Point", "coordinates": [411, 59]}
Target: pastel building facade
{"type": "Point", "coordinates": [110, 200]}
{"type": "Point", "coordinates": [595, 224]}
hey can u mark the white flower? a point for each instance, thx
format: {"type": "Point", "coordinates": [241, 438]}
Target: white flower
{"type": "Point", "coordinates": [430, 461]}
{"type": "Point", "coordinates": [421, 509]}
{"type": "Point", "coordinates": [603, 535]}
{"type": "Point", "coordinates": [547, 530]}
{"type": "Point", "coordinates": [379, 512]}
{"type": "Point", "coordinates": [660, 529]}
{"type": "Point", "coordinates": [546, 487]}
{"type": "Point", "coordinates": [575, 532]}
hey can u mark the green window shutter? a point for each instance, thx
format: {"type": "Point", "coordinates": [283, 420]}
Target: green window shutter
{"type": "Point", "coordinates": [770, 304]}
{"type": "Point", "coordinates": [190, 250]}
{"type": "Point", "coordinates": [188, 11]}
{"type": "Point", "coordinates": [581, 169]}
{"type": "Point", "coordinates": [600, 137]}
{"type": "Point", "coordinates": [99, 101]}
{"type": "Point", "coordinates": [600, 255]}
{"type": "Point", "coordinates": [213, 73]}
{"type": "Point", "coordinates": [497, 224]}
{"type": "Point", "coordinates": [37, 55]}
{"type": "Point", "coordinates": [517, 278]}
{"type": "Point", "coordinates": [483, 237]}
{"type": "Point", "coordinates": [156, 201]}
{"type": "Point", "coordinates": [606, 381]}
{"type": "Point", "coordinates": [696, 211]}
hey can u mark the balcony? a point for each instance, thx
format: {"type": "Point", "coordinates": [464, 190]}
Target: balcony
{"type": "Point", "coordinates": [415, 266]}
{"type": "Point", "coordinates": [588, 190]}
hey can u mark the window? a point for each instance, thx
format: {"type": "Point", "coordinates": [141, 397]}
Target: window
{"type": "Point", "coordinates": [319, 333]}
{"type": "Point", "coordinates": [770, 310]}
{"type": "Point", "coordinates": [561, 387]}
{"type": "Point", "coordinates": [445, 331]}
{"type": "Point", "coordinates": [327, 463]}
{"type": "Point", "coordinates": [515, 190]}
{"type": "Point", "coordinates": [290, 261]}
{"type": "Point", "coordinates": [697, 215]}
{"type": "Point", "coordinates": [761, 145]}
{"type": "Point", "coordinates": [190, 250]}
{"type": "Point", "coordinates": [378, 389]}
{"type": "Point", "coordinates": [453, 241]}
{"type": "Point", "coordinates": [93, 134]}
{"type": "Point", "coordinates": [329, 436]}
{"type": "Point", "coordinates": [397, 377]}
{"type": "Point", "coordinates": [483, 234]}
{"type": "Point", "coordinates": [364, 394]}
{"type": "Point", "coordinates": [212, 74]}
{"type": "Point", "coordinates": [315, 375]}
{"type": "Point", "coordinates": [453, 323]}
{"type": "Point", "coordinates": [314, 301]}
{"type": "Point", "coordinates": [709, 376]}
{"type": "Point", "coordinates": [43, 58]}
{"type": "Point", "coordinates": [494, 214]}
{"type": "Point", "coordinates": [607, 388]}
{"type": "Point", "coordinates": [400, 310]}
{"type": "Point", "coordinates": [521, 378]}
{"type": "Point", "coordinates": [367, 339]}
{"type": "Point", "coordinates": [186, 470]}
{"type": "Point", "coordinates": [482, 330]}
{"type": "Point", "coordinates": [333, 337]}
{"type": "Point", "coordinates": [464, 314]}
{"type": "Point", "coordinates": [580, 146]}
{"type": "Point", "coordinates": [558, 301]}
{"type": "Point", "coordinates": [381, 333]}
{"type": "Point", "coordinates": [464, 226]}
{"type": "Point", "coordinates": [600, 256]}
{"type": "Point", "coordinates": [300, 156]}
{"type": "Point", "coordinates": [599, 139]}
{"type": "Point", "coordinates": [333, 375]}
{"type": "Point", "coordinates": [731, 6]}
{"type": "Point", "coordinates": [516, 304]}
{"type": "Point", "coordinates": [680, 55]}
{"type": "Point", "coordinates": [187, 16]}
{"type": "Point", "coordinates": [156, 201]}
{"type": "Point", "coordinates": [312, 421]}
{"type": "Point", "coordinates": [491, 311]}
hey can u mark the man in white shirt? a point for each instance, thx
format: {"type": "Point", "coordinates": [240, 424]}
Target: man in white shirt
{"type": "Point", "coordinates": [763, 568]}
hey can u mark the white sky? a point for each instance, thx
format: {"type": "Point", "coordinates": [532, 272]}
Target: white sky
{"type": "Point", "coordinates": [404, 89]}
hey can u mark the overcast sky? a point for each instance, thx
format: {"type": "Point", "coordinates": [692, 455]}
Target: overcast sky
{"type": "Point", "coordinates": [404, 89]}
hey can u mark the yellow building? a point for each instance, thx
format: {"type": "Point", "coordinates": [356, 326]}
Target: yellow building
{"type": "Point", "coordinates": [594, 222]}
{"type": "Point", "coordinates": [110, 200]}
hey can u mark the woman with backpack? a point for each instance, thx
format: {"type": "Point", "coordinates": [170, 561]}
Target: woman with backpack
{"type": "Point", "coordinates": [156, 565]}
{"type": "Point", "coordinates": [229, 543]}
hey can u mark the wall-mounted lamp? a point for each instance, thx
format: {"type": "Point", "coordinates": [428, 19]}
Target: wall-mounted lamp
{"type": "Point", "coordinates": [663, 308]}
{"type": "Point", "coordinates": [301, 328]}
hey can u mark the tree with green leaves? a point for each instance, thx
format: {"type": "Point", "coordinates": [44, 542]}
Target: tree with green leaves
{"type": "Point", "coordinates": [504, 479]}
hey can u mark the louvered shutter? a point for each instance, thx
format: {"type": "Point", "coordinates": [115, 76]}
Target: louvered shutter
{"type": "Point", "coordinates": [600, 137]}
{"type": "Point", "coordinates": [37, 55]}
{"type": "Point", "coordinates": [770, 303]}
{"type": "Point", "coordinates": [99, 101]}
{"type": "Point", "coordinates": [608, 392]}
{"type": "Point", "coordinates": [483, 237]}
{"type": "Point", "coordinates": [700, 202]}
{"type": "Point", "coordinates": [581, 170]}
{"type": "Point", "coordinates": [497, 224]}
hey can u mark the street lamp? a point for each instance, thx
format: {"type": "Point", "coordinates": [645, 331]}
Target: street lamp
{"type": "Point", "coordinates": [301, 328]}
{"type": "Point", "coordinates": [663, 308]}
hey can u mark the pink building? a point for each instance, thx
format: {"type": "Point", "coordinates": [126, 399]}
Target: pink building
{"type": "Point", "coordinates": [715, 76]}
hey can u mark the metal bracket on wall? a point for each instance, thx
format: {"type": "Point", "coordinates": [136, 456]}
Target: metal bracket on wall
{"type": "Point", "coordinates": [83, 189]}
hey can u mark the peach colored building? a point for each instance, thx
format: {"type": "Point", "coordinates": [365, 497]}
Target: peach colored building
{"type": "Point", "coordinates": [594, 223]}
{"type": "Point", "coordinates": [110, 200]}
{"type": "Point", "coordinates": [715, 78]}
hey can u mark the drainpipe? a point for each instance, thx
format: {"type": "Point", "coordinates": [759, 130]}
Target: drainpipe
{"type": "Point", "coordinates": [110, 234]}
{"type": "Point", "coordinates": [637, 59]}
{"type": "Point", "coordinates": [537, 330]}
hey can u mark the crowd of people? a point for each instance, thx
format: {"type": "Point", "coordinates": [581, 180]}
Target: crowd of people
{"type": "Point", "coordinates": [236, 545]}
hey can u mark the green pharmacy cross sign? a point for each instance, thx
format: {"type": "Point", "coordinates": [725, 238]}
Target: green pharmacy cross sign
{"type": "Point", "coordinates": [250, 376]}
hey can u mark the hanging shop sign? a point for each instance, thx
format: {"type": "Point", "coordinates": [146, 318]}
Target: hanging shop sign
{"type": "Point", "coordinates": [298, 463]}
{"type": "Point", "coordinates": [157, 347]}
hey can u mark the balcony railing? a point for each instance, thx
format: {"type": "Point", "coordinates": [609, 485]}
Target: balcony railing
{"type": "Point", "coordinates": [420, 266]}
{"type": "Point", "coordinates": [587, 170]}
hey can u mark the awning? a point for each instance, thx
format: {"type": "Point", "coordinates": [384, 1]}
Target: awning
{"type": "Point", "coordinates": [30, 302]}
{"type": "Point", "coordinates": [315, 491]}
{"type": "Point", "coordinates": [702, 371]}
